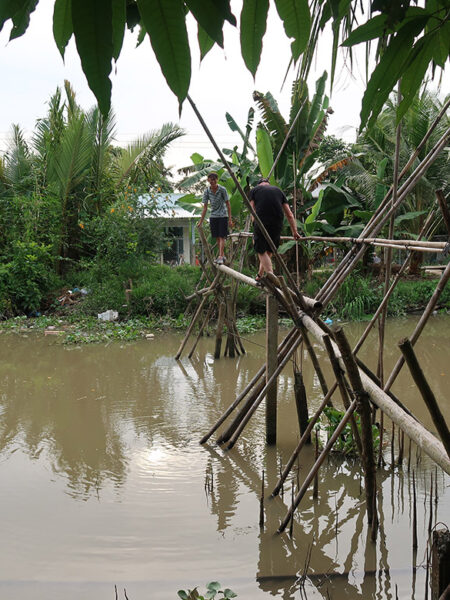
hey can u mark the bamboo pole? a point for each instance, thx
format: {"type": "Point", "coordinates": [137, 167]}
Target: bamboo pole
{"type": "Point", "coordinates": [339, 374]}
{"type": "Point", "coordinates": [376, 223]}
{"type": "Point", "coordinates": [392, 287]}
{"type": "Point", "coordinates": [271, 362]}
{"type": "Point", "coordinates": [426, 392]}
{"type": "Point", "coordinates": [362, 401]}
{"type": "Point", "coordinates": [190, 328]}
{"type": "Point", "coordinates": [421, 324]}
{"type": "Point", "coordinates": [301, 403]}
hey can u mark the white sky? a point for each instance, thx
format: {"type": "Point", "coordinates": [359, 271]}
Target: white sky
{"type": "Point", "coordinates": [31, 68]}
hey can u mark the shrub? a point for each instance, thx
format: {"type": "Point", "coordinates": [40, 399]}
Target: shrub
{"type": "Point", "coordinates": [163, 289]}
{"type": "Point", "coordinates": [27, 278]}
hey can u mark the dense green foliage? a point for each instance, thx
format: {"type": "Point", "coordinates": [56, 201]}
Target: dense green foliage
{"type": "Point", "coordinates": [71, 205]}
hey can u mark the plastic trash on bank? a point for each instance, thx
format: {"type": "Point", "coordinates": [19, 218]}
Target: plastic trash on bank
{"type": "Point", "coordinates": [108, 315]}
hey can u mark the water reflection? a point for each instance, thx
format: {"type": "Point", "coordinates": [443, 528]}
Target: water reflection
{"type": "Point", "coordinates": [117, 427]}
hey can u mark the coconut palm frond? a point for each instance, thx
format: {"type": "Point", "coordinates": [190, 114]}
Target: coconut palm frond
{"type": "Point", "coordinates": [148, 149]}
{"type": "Point", "coordinates": [71, 163]}
{"type": "Point", "coordinates": [17, 159]}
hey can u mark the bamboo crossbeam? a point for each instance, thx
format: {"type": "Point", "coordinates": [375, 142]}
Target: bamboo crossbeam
{"type": "Point", "coordinates": [371, 241]}
{"type": "Point", "coordinates": [310, 303]}
{"type": "Point", "coordinates": [439, 246]}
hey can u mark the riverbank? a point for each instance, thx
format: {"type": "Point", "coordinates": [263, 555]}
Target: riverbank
{"type": "Point", "coordinates": [73, 317]}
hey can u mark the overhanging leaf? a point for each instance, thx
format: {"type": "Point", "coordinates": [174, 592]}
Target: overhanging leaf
{"type": "Point", "coordinates": [414, 75]}
{"type": "Point", "coordinates": [297, 23]}
{"type": "Point", "coordinates": [20, 17]}
{"type": "Point", "coordinates": [210, 15]}
{"type": "Point", "coordinates": [286, 246]}
{"type": "Point", "coordinates": [374, 28]}
{"type": "Point", "coordinates": [62, 24]}
{"type": "Point", "coordinates": [253, 28]}
{"type": "Point", "coordinates": [389, 70]}
{"type": "Point", "coordinates": [205, 43]}
{"type": "Point", "coordinates": [166, 26]}
{"type": "Point", "coordinates": [119, 17]}
{"type": "Point", "coordinates": [92, 26]}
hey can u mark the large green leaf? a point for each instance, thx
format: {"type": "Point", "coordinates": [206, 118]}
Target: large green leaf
{"type": "Point", "coordinates": [62, 24]}
{"type": "Point", "coordinates": [253, 28]}
{"type": "Point", "coordinates": [297, 23]}
{"type": "Point", "coordinates": [264, 151]}
{"type": "Point", "coordinates": [92, 27]}
{"type": "Point", "coordinates": [374, 28]}
{"type": "Point", "coordinates": [8, 8]}
{"type": "Point", "coordinates": [119, 18]}
{"type": "Point", "coordinates": [413, 77]}
{"type": "Point", "coordinates": [19, 11]}
{"type": "Point", "coordinates": [205, 43]}
{"type": "Point", "coordinates": [409, 216]}
{"type": "Point", "coordinates": [165, 22]}
{"type": "Point", "coordinates": [210, 15]}
{"type": "Point", "coordinates": [389, 70]}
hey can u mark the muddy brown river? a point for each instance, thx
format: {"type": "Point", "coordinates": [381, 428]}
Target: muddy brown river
{"type": "Point", "coordinates": [103, 481]}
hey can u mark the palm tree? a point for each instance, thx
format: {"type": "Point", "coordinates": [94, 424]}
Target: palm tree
{"type": "Point", "coordinates": [72, 160]}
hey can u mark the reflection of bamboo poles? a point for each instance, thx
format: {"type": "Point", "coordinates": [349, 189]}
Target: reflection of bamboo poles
{"type": "Point", "coordinates": [246, 390]}
{"type": "Point", "coordinates": [337, 432]}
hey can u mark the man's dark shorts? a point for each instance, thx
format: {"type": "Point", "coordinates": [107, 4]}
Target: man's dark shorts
{"type": "Point", "coordinates": [259, 241]}
{"type": "Point", "coordinates": [219, 227]}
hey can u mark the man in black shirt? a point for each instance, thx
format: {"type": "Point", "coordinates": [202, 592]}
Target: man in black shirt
{"type": "Point", "coordinates": [270, 205]}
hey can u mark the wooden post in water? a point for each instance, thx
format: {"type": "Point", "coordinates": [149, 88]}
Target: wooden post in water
{"type": "Point", "coordinates": [271, 365]}
{"type": "Point", "coordinates": [440, 564]}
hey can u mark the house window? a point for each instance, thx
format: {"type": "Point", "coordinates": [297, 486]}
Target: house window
{"type": "Point", "coordinates": [173, 253]}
